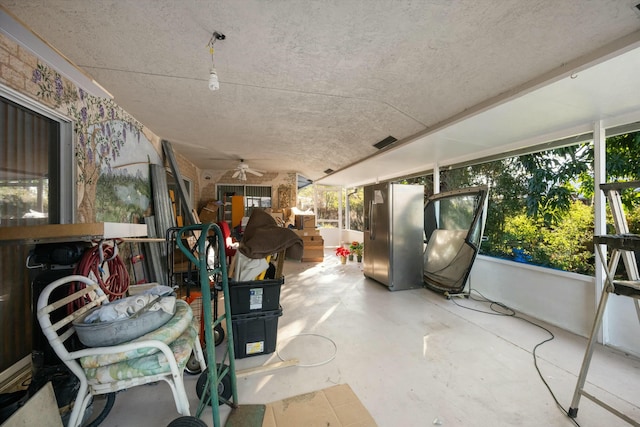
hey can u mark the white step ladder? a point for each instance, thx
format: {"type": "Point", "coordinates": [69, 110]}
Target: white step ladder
{"type": "Point", "coordinates": [625, 245]}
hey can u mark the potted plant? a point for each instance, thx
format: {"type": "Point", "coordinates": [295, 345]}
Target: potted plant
{"type": "Point", "coordinates": [356, 249]}
{"type": "Point", "coordinates": [343, 253]}
{"type": "Point", "coordinates": [351, 251]}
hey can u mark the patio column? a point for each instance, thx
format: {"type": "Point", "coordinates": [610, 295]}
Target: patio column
{"type": "Point", "coordinates": [600, 206]}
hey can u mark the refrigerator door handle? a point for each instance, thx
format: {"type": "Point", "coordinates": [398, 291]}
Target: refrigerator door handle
{"type": "Point", "coordinates": [372, 225]}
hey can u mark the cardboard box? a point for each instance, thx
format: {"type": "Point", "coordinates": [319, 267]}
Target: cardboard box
{"type": "Point", "coordinates": [40, 410]}
{"type": "Point", "coordinates": [314, 240]}
{"type": "Point", "coordinates": [307, 232]}
{"type": "Point", "coordinates": [305, 221]}
{"type": "Point", "coordinates": [313, 256]}
{"type": "Point", "coordinates": [209, 213]}
{"type": "Point", "coordinates": [313, 248]}
{"type": "Point", "coordinates": [336, 406]}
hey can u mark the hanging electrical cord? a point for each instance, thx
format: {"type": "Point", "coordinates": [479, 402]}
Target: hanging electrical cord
{"type": "Point", "coordinates": [214, 83]}
{"type": "Point", "coordinates": [509, 312]}
{"type": "Point", "coordinates": [114, 279]}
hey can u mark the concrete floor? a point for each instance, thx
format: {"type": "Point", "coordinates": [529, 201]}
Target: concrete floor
{"type": "Point", "coordinates": [413, 358]}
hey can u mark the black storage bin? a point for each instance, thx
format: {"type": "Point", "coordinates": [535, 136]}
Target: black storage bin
{"type": "Point", "coordinates": [255, 296]}
{"type": "Point", "coordinates": [255, 334]}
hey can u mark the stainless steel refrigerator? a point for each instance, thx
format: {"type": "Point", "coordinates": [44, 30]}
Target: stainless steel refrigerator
{"type": "Point", "coordinates": [394, 234]}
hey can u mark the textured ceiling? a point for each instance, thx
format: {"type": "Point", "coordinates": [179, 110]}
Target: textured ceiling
{"type": "Point", "coordinates": [309, 85]}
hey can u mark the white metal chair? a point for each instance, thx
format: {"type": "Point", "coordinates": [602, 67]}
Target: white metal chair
{"type": "Point", "coordinates": [158, 355]}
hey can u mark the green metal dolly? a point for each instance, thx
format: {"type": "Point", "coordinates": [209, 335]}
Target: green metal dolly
{"type": "Point", "coordinates": [217, 384]}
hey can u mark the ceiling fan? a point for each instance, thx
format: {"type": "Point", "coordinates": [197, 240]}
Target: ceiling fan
{"type": "Point", "coordinates": [242, 169]}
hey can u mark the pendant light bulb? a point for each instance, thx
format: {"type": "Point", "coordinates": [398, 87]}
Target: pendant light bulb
{"type": "Point", "coordinates": [214, 83]}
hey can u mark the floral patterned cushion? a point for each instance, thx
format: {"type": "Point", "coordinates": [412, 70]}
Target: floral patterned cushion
{"type": "Point", "coordinates": [168, 333]}
{"type": "Point", "coordinates": [151, 364]}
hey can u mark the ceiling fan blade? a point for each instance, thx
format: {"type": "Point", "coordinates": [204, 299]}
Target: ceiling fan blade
{"type": "Point", "coordinates": [235, 174]}
{"type": "Point", "coordinates": [255, 172]}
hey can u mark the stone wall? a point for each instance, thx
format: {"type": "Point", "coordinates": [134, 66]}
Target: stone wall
{"type": "Point", "coordinates": [16, 69]}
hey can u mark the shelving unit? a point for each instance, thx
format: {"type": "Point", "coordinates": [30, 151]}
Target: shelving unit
{"type": "Point", "coordinates": [52, 233]}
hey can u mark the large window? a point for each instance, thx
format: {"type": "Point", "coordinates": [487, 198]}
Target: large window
{"type": "Point", "coordinates": [36, 187]}
{"type": "Point", "coordinates": [354, 209]}
{"type": "Point", "coordinates": [541, 204]}
{"type": "Point", "coordinates": [328, 202]}
{"type": "Point", "coordinates": [255, 196]}
{"type": "Point", "coordinates": [28, 160]}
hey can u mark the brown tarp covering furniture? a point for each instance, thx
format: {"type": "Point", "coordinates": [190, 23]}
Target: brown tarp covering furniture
{"type": "Point", "coordinates": [263, 237]}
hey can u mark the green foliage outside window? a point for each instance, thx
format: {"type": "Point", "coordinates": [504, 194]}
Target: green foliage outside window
{"type": "Point", "coordinates": [541, 204]}
{"type": "Point", "coordinates": [566, 245]}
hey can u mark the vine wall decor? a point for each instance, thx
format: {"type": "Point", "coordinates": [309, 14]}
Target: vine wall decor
{"type": "Point", "coordinates": [105, 136]}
